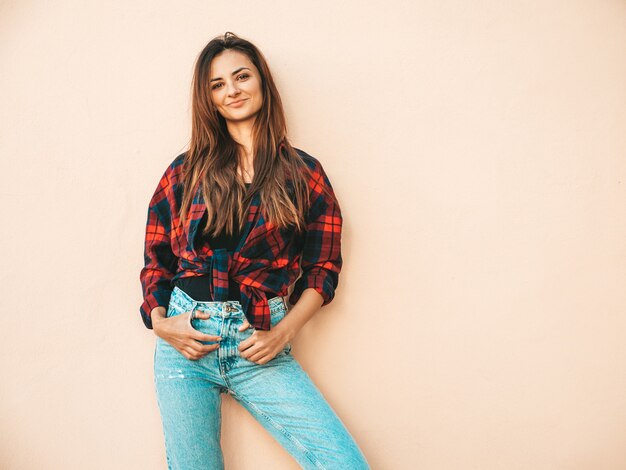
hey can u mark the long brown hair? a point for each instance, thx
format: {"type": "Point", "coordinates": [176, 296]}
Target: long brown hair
{"type": "Point", "coordinates": [213, 155]}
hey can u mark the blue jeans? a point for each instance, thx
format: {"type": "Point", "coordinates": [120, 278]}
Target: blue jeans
{"type": "Point", "coordinates": [279, 394]}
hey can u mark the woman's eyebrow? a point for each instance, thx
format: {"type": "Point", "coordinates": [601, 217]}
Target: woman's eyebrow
{"type": "Point", "coordinates": [236, 71]}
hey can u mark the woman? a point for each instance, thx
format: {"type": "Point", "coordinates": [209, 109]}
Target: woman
{"type": "Point", "coordinates": [219, 259]}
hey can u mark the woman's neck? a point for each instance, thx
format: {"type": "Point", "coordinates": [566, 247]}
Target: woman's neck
{"type": "Point", "coordinates": [242, 135]}
{"type": "Point", "coordinates": [241, 132]}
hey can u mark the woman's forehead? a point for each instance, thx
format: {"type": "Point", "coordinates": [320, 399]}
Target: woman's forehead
{"type": "Point", "coordinates": [228, 62]}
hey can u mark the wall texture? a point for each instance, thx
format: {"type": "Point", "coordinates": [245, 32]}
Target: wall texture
{"type": "Point", "coordinates": [478, 152]}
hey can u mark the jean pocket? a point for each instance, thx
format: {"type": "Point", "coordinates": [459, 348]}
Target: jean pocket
{"type": "Point", "coordinates": [174, 309]}
{"type": "Point", "coordinates": [245, 333]}
{"type": "Point", "coordinates": [277, 314]}
{"type": "Point", "coordinates": [208, 326]}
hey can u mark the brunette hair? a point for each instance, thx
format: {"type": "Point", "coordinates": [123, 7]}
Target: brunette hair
{"type": "Point", "coordinates": [213, 155]}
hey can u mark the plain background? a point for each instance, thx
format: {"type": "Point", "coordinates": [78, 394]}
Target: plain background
{"type": "Point", "coordinates": [477, 149]}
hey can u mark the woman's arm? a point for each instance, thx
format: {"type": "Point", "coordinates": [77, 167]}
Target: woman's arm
{"type": "Point", "coordinates": [321, 259]}
{"type": "Point", "coordinates": [160, 263]}
{"type": "Point", "coordinates": [310, 302]}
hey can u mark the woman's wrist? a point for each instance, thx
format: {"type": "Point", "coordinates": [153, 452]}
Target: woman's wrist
{"type": "Point", "coordinates": [285, 329]}
{"type": "Point", "coordinates": [309, 303]}
{"type": "Point", "coordinates": [157, 314]}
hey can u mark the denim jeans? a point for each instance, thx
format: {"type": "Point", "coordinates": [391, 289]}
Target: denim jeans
{"type": "Point", "coordinates": [279, 394]}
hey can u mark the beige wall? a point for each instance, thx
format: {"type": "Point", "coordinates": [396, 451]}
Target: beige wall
{"type": "Point", "coordinates": [478, 151]}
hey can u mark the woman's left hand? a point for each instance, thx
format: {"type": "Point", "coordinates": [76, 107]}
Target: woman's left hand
{"type": "Point", "coordinates": [263, 345]}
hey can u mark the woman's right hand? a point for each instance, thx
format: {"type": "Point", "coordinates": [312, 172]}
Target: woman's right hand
{"type": "Point", "coordinates": [179, 332]}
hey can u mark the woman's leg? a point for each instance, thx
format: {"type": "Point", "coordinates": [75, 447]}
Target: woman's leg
{"type": "Point", "coordinates": [284, 399]}
{"type": "Point", "coordinates": [189, 398]}
{"type": "Point", "coordinates": [190, 408]}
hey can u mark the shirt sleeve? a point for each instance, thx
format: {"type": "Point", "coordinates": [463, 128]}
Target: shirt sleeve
{"type": "Point", "coordinates": [160, 263]}
{"type": "Point", "coordinates": [321, 259]}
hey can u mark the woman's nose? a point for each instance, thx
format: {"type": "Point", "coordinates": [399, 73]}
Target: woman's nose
{"type": "Point", "coordinates": [233, 90]}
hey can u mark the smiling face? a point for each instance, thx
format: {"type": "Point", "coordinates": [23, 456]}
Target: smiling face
{"type": "Point", "coordinates": [235, 85]}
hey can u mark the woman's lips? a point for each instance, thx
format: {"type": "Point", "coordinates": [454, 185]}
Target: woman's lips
{"type": "Point", "coordinates": [238, 103]}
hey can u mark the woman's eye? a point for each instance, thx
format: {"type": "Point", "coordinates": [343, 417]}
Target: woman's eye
{"type": "Point", "coordinates": [243, 76]}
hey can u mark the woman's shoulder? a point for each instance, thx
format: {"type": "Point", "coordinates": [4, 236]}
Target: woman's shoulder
{"type": "Point", "coordinates": [312, 162]}
{"type": "Point", "coordinates": [173, 172]}
{"type": "Point", "coordinates": [315, 165]}
{"type": "Point", "coordinates": [177, 164]}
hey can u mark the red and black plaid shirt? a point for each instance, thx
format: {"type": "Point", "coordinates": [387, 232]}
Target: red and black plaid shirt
{"type": "Point", "coordinates": [266, 262]}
